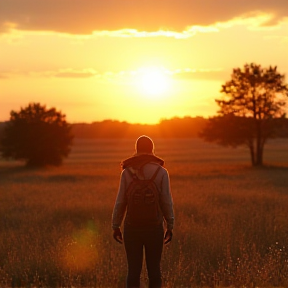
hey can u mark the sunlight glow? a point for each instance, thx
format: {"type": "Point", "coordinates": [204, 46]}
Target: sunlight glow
{"type": "Point", "coordinates": [153, 82]}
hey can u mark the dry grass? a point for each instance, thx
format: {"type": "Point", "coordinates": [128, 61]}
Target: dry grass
{"type": "Point", "coordinates": [231, 220]}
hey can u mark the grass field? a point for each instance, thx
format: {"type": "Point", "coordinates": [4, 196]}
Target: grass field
{"type": "Point", "coordinates": [231, 225]}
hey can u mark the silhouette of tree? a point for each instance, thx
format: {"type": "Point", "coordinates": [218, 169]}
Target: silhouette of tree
{"type": "Point", "coordinates": [185, 127]}
{"type": "Point", "coordinates": [176, 127]}
{"type": "Point", "coordinates": [250, 111]}
{"type": "Point", "coordinates": [37, 135]}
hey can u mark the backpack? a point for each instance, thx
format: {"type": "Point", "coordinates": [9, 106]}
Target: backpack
{"type": "Point", "coordinates": [143, 201]}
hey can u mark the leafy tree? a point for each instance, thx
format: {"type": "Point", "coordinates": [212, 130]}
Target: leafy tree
{"type": "Point", "coordinates": [251, 111]}
{"type": "Point", "coordinates": [37, 135]}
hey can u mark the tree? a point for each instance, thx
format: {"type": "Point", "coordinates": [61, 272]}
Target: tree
{"type": "Point", "coordinates": [37, 135]}
{"type": "Point", "coordinates": [251, 110]}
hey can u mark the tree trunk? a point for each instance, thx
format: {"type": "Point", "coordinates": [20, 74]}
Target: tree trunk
{"type": "Point", "coordinates": [261, 151]}
{"type": "Point", "coordinates": [259, 156]}
{"type": "Point", "coordinates": [259, 145]}
{"type": "Point", "coordinates": [252, 152]}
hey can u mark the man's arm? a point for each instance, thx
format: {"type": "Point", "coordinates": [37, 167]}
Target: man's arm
{"type": "Point", "coordinates": [120, 203]}
{"type": "Point", "coordinates": [166, 201]}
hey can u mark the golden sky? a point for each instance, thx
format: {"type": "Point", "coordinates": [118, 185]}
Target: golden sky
{"type": "Point", "coordinates": [136, 61]}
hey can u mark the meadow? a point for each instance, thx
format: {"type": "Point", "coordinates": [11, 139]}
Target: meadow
{"type": "Point", "coordinates": [231, 226]}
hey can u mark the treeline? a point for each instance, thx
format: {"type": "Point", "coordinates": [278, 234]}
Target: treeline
{"type": "Point", "coordinates": [186, 127]}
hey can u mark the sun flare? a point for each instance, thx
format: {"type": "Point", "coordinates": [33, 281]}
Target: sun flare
{"type": "Point", "coordinates": [153, 82]}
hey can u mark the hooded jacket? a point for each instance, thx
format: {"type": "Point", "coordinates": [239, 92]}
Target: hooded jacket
{"type": "Point", "coordinates": [146, 165]}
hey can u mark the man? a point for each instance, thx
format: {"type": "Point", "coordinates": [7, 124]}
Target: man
{"type": "Point", "coordinates": [146, 212]}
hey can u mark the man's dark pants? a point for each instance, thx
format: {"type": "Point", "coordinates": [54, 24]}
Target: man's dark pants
{"type": "Point", "coordinates": [152, 242]}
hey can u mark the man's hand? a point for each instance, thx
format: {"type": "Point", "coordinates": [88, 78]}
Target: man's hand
{"type": "Point", "coordinates": [117, 235]}
{"type": "Point", "coordinates": [168, 236]}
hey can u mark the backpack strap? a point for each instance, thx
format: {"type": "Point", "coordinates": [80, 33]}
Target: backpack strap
{"type": "Point", "coordinates": [134, 175]}
{"type": "Point", "coordinates": [155, 174]}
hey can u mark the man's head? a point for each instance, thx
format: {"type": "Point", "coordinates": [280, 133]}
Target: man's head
{"type": "Point", "coordinates": [144, 144]}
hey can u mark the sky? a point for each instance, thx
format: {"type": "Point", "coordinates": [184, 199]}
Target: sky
{"type": "Point", "coordinates": [136, 61]}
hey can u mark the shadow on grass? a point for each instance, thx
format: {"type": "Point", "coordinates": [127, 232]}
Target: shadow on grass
{"type": "Point", "coordinates": [12, 170]}
{"type": "Point", "coordinates": [274, 167]}
{"type": "Point", "coordinates": [24, 174]}
{"type": "Point", "coordinates": [274, 174]}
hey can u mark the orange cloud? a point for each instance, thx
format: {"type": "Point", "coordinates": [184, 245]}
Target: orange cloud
{"type": "Point", "coordinates": [74, 74]}
{"type": "Point", "coordinates": [61, 73]}
{"type": "Point", "coordinates": [3, 76]}
{"type": "Point", "coordinates": [200, 74]}
{"type": "Point", "coordinates": [84, 17]}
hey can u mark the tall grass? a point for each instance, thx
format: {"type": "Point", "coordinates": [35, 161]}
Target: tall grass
{"type": "Point", "coordinates": [231, 220]}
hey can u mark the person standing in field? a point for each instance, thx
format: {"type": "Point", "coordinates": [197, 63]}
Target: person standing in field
{"type": "Point", "coordinates": [144, 199]}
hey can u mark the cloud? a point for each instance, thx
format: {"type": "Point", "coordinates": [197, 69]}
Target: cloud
{"type": "Point", "coordinates": [61, 73]}
{"type": "Point", "coordinates": [85, 16]}
{"type": "Point", "coordinates": [3, 76]}
{"type": "Point", "coordinates": [200, 74]}
{"type": "Point", "coordinates": [74, 74]}
{"type": "Point", "coordinates": [177, 74]}
{"type": "Point", "coordinates": [125, 33]}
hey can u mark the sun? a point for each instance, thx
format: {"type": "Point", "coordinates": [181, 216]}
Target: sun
{"type": "Point", "coordinates": [153, 82]}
